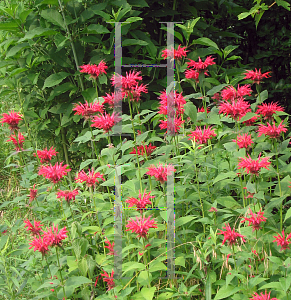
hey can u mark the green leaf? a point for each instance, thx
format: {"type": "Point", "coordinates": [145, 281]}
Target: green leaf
{"type": "Point", "coordinates": [228, 202]}
{"type": "Point", "coordinates": [95, 29]}
{"type": "Point", "coordinates": [148, 293]}
{"type": "Point", "coordinates": [3, 241]}
{"type": "Point", "coordinates": [55, 79]}
{"type": "Point", "coordinates": [157, 266]}
{"type": "Point", "coordinates": [144, 278]}
{"type": "Point", "coordinates": [234, 57]}
{"type": "Point", "coordinates": [247, 116]}
{"type": "Point", "coordinates": [272, 285]}
{"type": "Point", "coordinates": [129, 42]}
{"type": "Point", "coordinates": [284, 4]}
{"type": "Point", "coordinates": [53, 16]}
{"type": "Point", "coordinates": [222, 176]}
{"type": "Point", "coordinates": [191, 111]}
{"type": "Point", "coordinates": [243, 15]}
{"type": "Point", "coordinates": [206, 42]}
{"type": "Point", "coordinates": [208, 288]}
{"type": "Point", "coordinates": [180, 261]}
{"type": "Point", "coordinates": [216, 89]}
{"type": "Point", "coordinates": [183, 220]}
{"type": "Point", "coordinates": [73, 282]}
{"type": "Point", "coordinates": [36, 32]}
{"type": "Point", "coordinates": [228, 49]}
{"type": "Point", "coordinates": [288, 214]}
{"type": "Point", "coordinates": [133, 266]}
{"type": "Point", "coordinates": [14, 50]}
{"type": "Point", "coordinates": [225, 292]}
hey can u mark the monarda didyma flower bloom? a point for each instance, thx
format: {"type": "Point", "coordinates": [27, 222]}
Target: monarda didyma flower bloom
{"type": "Point", "coordinates": [230, 235]}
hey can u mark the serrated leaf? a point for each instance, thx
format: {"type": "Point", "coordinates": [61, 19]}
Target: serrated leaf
{"type": "Point", "coordinates": [148, 293]}
{"type": "Point", "coordinates": [55, 79]}
{"type": "Point", "coordinates": [191, 111]}
{"type": "Point", "coordinates": [207, 42]}
{"type": "Point", "coordinates": [129, 42]}
{"type": "Point", "coordinates": [225, 292]}
{"type": "Point", "coordinates": [36, 32]}
{"type": "Point", "coordinates": [53, 16]}
{"type": "Point", "coordinates": [222, 176]}
{"type": "Point", "coordinates": [183, 220]}
{"type": "Point", "coordinates": [228, 202]}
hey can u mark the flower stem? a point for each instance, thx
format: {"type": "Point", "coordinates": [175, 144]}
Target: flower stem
{"type": "Point", "coordinates": [59, 265]}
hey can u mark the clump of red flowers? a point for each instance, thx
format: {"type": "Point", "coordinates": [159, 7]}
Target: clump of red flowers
{"type": "Point", "coordinates": [244, 140]}
{"type": "Point", "coordinates": [236, 109]}
{"type": "Point", "coordinates": [177, 100]}
{"type": "Point", "coordinates": [12, 119]}
{"type": "Point", "coordinates": [255, 220]}
{"type": "Point", "coordinates": [282, 241]}
{"type": "Point", "coordinates": [201, 66]}
{"type": "Point", "coordinates": [272, 131]}
{"type": "Point", "coordinates": [160, 172]}
{"type": "Point", "coordinates": [256, 76]}
{"type": "Point", "coordinates": [108, 279]}
{"type": "Point", "coordinates": [110, 247]}
{"type": "Point", "coordinates": [253, 166]}
{"type": "Point", "coordinates": [201, 136]}
{"type": "Point", "coordinates": [144, 149]}
{"type": "Point", "coordinates": [53, 236]}
{"type": "Point", "coordinates": [91, 178]}
{"type": "Point", "coordinates": [88, 110]}
{"type": "Point", "coordinates": [105, 122]}
{"type": "Point", "coordinates": [265, 296]}
{"type": "Point", "coordinates": [35, 228]}
{"type": "Point", "coordinates": [141, 225]}
{"type": "Point", "coordinates": [54, 173]}
{"type": "Point", "coordinates": [94, 70]}
{"type": "Point", "coordinates": [141, 202]}
{"type": "Point", "coordinates": [46, 155]}
{"type": "Point", "coordinates": [230, 235]}
{"type": "Point", "coordinates": [174, 124]}
{"type": "Point", "coordinates": [18, 142]}
{"type": "Point", "coordinates": [68, 195]}
{"type": "Point", "coordinates": [175, 54]}
{"type": "Point", "coordinates": [267, 110]}
{"type": "Point", "coordinates": [232, 94]}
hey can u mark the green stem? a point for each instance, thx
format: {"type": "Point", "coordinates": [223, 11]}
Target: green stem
{"type": "Point", "coordinates": [65, 150]}
{"type": "Point", "coordinates": [59, 265]}
{"type": "Point", "coordinates": [279, 184]}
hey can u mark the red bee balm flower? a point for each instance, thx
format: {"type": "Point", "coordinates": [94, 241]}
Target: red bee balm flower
{"type": "Point", "coordinates": [46, 155]}
{"type": "Point", "coordinates": [230, 235]}
{"type": "Point", "coordinates": [142, 202]}
{"type": "Point", "coordinates": [68, 195]}
{"type": "Point", "coordinates": [255, 220]}
{"type": "Point", "coordinates": [34, 229]}
{"type": "Point", "coordinates": [256, 76]}
{"type": "Point", "coordinates": [39, 244]}
{"type": "Point", "coordinates": [128, 81]}
{"type": "Point", "coordinates": [18, 143]}
{"type": "Point", "coordinates": [272, 131]}
{"type": "Point", "coordinates": [112, 99]}
{"type": "Point", "coordinates": [175, 54]}
{"type": "Point", "coordinates": [141, 225]}
{"type": "Point", "coordinates": [253, 166]}
{"type": "Point", "coordinates": [110, 247]}
{"type": "Point", "coordinates": [109, 280]}
{"type": "Point", "coordinates": [178, 103]}
{"type": "Point", "coordinates": [201, 66]}
{"type": "Point", "coordinates": [173, 126]}
{"type": "Point", "coordinates": [244, 140]}
{"type": "Point", "coordinates": [160, 172]}
{"type": "Point", "coordinates": [268, 110]}
{"type": "Point", "coordinates": [54, 173]}
{"type": "Point", "coordinates": [87, 110]}
{"type": "Point", "coordinates": [265, 296]}
{"type": "Point", "coordinates": [281, 241]}
{"type": "Point", "coordinates": [202, 136]}
{"type": "Point", "coordinates": [236, 109]}
{"type": "Point", "coordinates": [94, 70]}
{"type": "Point", "coordinates": [230, 93]}
{"type": "Point", "coordinates": [12, 119]}
{"type": "Point", "coordinates": [53, 237]}
{"type": "Point", "coordinates": [105, 122]}
{"type": "Point", "coordinates": [142, 149]}
{"type": "Point", "coordinates": [193, 74]}
{"type": "Point", "coordinates": [91, 179]}
{"type": "Point", "coordinates": [32, 193]}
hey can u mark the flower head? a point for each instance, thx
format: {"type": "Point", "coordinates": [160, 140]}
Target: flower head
{"type": "Point", "coordinates": [113, 99]}
{"type": "Point", "coordinates": [94, 70]}
{"type": "Point", "coordinates": [230, 235]}
{"type": "Point", "coordinates": [271, 130]}
{"type": "Point", "coordinates": [236, 109]}
{"type": "Point", "coordinates": [68, 195]}
{"type": "Point", "coordinates": [231, 94]}
{"type": "Point", "coordinates": [144, 149]}
{"type": "Point", "coordinates": [267, 110]}
{"type": "Point", "coordinates": [175, 54]}
{"type": "Point", "coordinates": [40, 244]}
{"type": "Point", "coordinates": [108, 279]}
{"type": "Point", "coordinates": [110, 247]}
{"type": "Point", "coordinates": [172, 124]}
{"type": "Point", "coordinates": [32, 193]}
{"type": "Point", "coordinates": [141, 202]}
{"type": "Point", "coordinates": [46, 155]}
{"type": "Point", "coordinates": [193, 74]}
{"type": "Point", "coordinates": [18, 142]}
{"type": "Point", "coordinates": [202, 110]}
{"type": "Point", "coordinates": [265, 296]}
{"type": "Point", "coordinates": [201, 136]}
{"type": "Point", "coordinates": [160, 172]}
{"type": "Point", "coordinates": [256, 76]}
{"type": "Point", "coordinates": [255, 220]}
{"type": "Point", "coordinates": [12, 119]}
{"type": "Point", "coordinates": [141, 225]}
{"type": "Point", "coordinates": [178, 102]}
{"type": "Point", "coordinates": [281, 241]}
{"type": "Point", "coordinates": [135, 92]}
{"type": "Point", "coordinates": [35, 228]}
{"type": "Point", "coordinates": [91, 178]}
{"type": "Point", "coordinates": [201, 66]}
{"type": "Point", "coordinates": [53, 237]}
{"type": "Point", "coordinates": [88, 110]}
{"type": "Point", "coordinates": [253, 166]}
{"type": "Point", "coordinates": [54, 173]}
{"type": "Point", "coordinates": [244, 140]}
{"type": "Point", "coordinates": [129, 81]}
{"type": "Point", "coordinates": [105, 122]}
